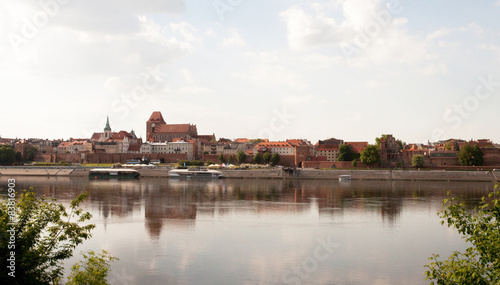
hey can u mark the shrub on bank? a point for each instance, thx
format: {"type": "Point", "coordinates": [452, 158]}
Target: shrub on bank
{"type": "Point", "coordinates": [187, 163]}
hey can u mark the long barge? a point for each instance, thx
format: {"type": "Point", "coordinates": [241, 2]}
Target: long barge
{"type": "Point", "coordinates": [121, 173]}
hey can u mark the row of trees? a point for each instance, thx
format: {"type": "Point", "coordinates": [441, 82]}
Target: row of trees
{"type": "Point", "coordinates": [241, 157]}
{"type": "Point", "coordinates": [467, 156]}
{"type": "Point", "coordinates": [470, 155]}
{"type": "Point", "coordinates": [9, 156]}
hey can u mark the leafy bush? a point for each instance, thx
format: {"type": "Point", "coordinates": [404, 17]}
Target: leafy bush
{"type": "Point", "coordinates": [190, 163]}
{"type": "Point", "coordinates": [93, 270]}
{"type": "Point", "coordinates": [44, 235]}
{"type": "Point", "coordinates": [480, 264]}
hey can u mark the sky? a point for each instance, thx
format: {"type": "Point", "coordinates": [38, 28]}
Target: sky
{"type": "Point", "coordinates": [278, 69]}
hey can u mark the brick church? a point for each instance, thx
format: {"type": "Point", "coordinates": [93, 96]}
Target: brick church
{"type": "Point", "coordinates": [157, 130]}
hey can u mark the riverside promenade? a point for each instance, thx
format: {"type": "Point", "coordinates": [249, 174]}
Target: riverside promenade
{"type": "Point", "coordinates": [365, 174]}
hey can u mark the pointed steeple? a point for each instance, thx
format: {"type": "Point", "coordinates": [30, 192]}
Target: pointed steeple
{"type": "Point", "coordinates": [107, 128]}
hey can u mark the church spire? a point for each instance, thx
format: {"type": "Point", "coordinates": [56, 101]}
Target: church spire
{"type": "Point", "coordinates": [107, 128]}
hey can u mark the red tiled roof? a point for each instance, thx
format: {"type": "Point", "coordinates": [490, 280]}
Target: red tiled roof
{"type": "Point", "coordinates": [156, 117]}
{"type": "Point", "coordinates": [96, 136]}
{"type": "Point", "coordinates": [134, 147]}
{"type": "Point", "coordinates": [297, 142]}
{"type": "Point", "coordinates": [241, 140]}
{"type": "Point", "coordinates": [358, 144]}
{"type": "Point", "coordinates": [206, 138]}
{"type": "Point", "coordinates": [174, 128]}
{"type": "Point", "coordinates": [274, 144]}
{"type": "Point", "coordinates": [121, 135]}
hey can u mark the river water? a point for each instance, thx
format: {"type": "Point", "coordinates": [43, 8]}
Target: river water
{"type": "Point", "coordinates": [169, 231]}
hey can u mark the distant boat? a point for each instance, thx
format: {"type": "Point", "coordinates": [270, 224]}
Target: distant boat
{"type": "Point", "coordinates": [202, 173]}
{"type": "Point", "coordinates": [344, 177]}
{"type": "Point", "coordinates": [121, 173]}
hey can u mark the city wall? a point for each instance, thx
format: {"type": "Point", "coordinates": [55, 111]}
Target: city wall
{"type": "Point", "coordinates": [108, 157]}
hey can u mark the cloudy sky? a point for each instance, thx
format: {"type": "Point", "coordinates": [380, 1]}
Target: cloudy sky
{"type": "Point", "coordinates": [350, 69]}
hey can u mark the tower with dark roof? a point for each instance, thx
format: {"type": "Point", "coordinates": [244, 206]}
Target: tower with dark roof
{"type": "Point", "coordinates": [107, 129]}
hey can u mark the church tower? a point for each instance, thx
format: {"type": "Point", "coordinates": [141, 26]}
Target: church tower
{"type": "Point", "coordinates": [107, 130]}
{"type": "Point", "coordinates": [154, 123]}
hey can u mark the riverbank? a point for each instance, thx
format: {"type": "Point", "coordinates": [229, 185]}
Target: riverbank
{"type": "Point", "coordinates": [428, 175]}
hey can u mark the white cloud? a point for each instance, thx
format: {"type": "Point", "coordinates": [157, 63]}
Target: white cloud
{"type": "Point", "coordinates": [193, 90]}
{"type": "Point", "coordinates": [64, 50]}
{"type": "Point", "coordinates": [186, 30]}
{"type": "Point", "coordinates": [234, 39]}
{"type": "Point", "coordinates": [187, 75]}
{"type": "Point", "coordinates": [375, 84]}
{"type": "Point", "coordinates": [368, 28]}
{"type": "Point", "coordinates": [438, 34]}
{"type": "Point", "coordinates": [305, 31]}
{"type": "Point", "coordinates": [433, 69]}
{"type": "Point", "coordinates": [493, 48]}
{"type": "Point", "coordinates": [263, 73]}
{"type": "Point", "coordinates": [295, 100]}
{"type": "Point", "coordinates": [473, 28]}
{"type": "Point", "coordinates": [210, 33]}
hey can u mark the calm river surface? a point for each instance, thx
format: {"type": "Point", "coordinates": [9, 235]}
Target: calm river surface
{"type": "Point", "coordinates": [167, 231]}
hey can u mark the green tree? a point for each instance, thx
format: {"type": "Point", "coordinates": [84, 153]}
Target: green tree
{"type": "Point", "coordinates": [230, 158]}
{"type": "Point", "coordinates": [447, 146]}
{"type": "Point", "coordinates": [257, 140]}
{"type": "Point", "coordinates": [480, 263]}
{"type": "Point", "coordinates": [456, 147]}
{"type": "Point", "coordinates": [370, 155]}
{"type": "Point", "coordinates": [241, 157]}
{"type": "Point", "coordinates": [275, 158]}
{"type": "Point", "coordinates": [469, 155]}
{"type": "Point", "coordinates": [7, 155]}
{"type": "Point", "coordinates": [257, 158]}
{"type": "Point", "coordinates": [266, 157]}
{"type": "Point", "coordinates": [30, 153]}
{"type": "Point", "coordinates": [401, 143]}
{"type": "Point", "coordinates": [93, 270]}
{"type": "Point", "coordinates": [45, 235]}
{"type": "Point", "coordinates": [377, 140]}
{"type": "Point", "coordinates": [346, 153]}
{"type": "Point", "coordinates": [221, 158]}
{"type": "Point", "coordinates": [19, 156]}
{"type": "Point", "coordinates": [354, 163]}
{"type": "Point", "coordinates": [417, 161]}
{"type": "Point", "coordinates": [181, 163]}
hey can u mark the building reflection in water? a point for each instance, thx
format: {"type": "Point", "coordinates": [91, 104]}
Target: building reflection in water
{"type": "Point", "coordinates": [179, 203]}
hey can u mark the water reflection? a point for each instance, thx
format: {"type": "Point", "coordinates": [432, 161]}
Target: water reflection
{"type": "Point", "coordinates": [251, 231]}
{"type": "Point", "coordinates": [166, 199]}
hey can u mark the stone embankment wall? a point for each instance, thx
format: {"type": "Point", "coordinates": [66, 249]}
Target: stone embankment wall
{"type": "Point", "coordinates": [431, 175]}
{"type": "Point", "coordinates": [30, 171]}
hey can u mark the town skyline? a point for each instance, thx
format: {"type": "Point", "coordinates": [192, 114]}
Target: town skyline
{"type": "Point", "coordinates": [108, 123]}
{"type": "Point", "coordinates": [277, 69]}
{"type": "Point", "coordinates": [181, 143]}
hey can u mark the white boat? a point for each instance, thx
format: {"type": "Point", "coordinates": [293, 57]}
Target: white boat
{"type": "Point", "coordinates": [195, 173]}
{"type": "Point", "coordinates": [344, 177]}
